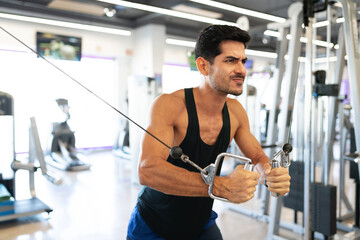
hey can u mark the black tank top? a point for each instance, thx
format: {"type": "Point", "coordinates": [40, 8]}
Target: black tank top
{"type": "Point", "coordinates": [176, 217]}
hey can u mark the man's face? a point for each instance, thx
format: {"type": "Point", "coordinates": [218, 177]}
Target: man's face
{"type": "Point", "coordinates": [228, 72]}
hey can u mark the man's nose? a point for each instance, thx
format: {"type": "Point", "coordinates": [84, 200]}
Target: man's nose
{"type": "Point", "coordinates": [240, 68]}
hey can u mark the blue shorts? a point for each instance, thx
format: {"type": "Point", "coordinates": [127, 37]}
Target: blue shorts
{"type": "Point", "coordinates": [139, 230]}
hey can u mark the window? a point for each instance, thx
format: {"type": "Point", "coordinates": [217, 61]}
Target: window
{"type": "Point", "coordinates": [35, 85]}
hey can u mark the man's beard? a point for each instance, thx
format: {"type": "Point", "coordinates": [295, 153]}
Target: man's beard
{"type": "Point", "coordinates": [226, 89]}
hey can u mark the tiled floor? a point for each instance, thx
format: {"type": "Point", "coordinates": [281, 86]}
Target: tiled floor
{"type": "Point", "coordinates": [96, 205]}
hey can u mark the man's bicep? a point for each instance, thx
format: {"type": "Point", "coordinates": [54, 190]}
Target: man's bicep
{"type": "Point", "coordinates": [160, 146]}
{"type": "Point", "coordinates": [161, 131]}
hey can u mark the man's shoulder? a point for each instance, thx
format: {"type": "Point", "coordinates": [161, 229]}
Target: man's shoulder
{"type": "Point", "coordinates": [233, 103]}
{"type": "Point", "coordinates": [235, 107]}
{"type": "Point", "coordinates": [171, 98]}
{"type": "Point", "coordinates": [170, 102]}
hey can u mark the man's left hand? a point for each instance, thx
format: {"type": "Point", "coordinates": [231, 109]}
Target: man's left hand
{"type": "Point", "coordinates": [278, 180]}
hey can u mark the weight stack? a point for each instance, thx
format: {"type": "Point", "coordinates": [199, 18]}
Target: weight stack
{"type": "Point", "coordinates": [354, 171]}
{"type": "Point", "coordinates": [323, 209]}
{"type": "Point", "coordinates": [295, 198]}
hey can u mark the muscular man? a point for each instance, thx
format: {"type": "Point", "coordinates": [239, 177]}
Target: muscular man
{"type": "Point", "coordinates": [174, 202]}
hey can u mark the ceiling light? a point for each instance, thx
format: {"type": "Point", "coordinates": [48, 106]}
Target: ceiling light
{"type": "Point", "coordinates": [109, 12]}
{"type": "Point", "coordinates": [167, 12]}
{"type": "Point", "coordinates": [257, 53]}
{"type": "Point", "coordinates": [239, 10]}
{"type": "Point", "coordinates": [67, 24]}
{"type": "Point", "coordinates": [178, 42]}
{"type": "Point", "coordinates": [75, 6]}
{"type": "Point", "coordinates": [197, 11]}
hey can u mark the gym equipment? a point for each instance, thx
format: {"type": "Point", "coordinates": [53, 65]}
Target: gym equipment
{"type": "Point", "coordinates": [323, 196]}
{"type": "Point", "coordinates": [62, 153]}
{"type": "Point", "coordinates": [346, 129]}
{"type": "Point", "coordinates": [283, 162]}
{"type": "Point", "coordinates": [121, 147]}
{"type": "Point", "coordinates": [7, 141]}
{"type": "Point", "coordinates": [212, 169]}
{"type": "Point", "coordinates": [354, 160]}
{"type": "Point", "coordinates": [304, 170]}
{"type": "Point", "coordinates": [208, 173]}
{"type": "Point", "coordinates": [352, 50]}
{"type": "Point", "coordinates": [323, 215]}
{"type": "Point", "coordinates": [32, 206]}
{"type": "Point", "coordinates": [290, 79]}
{"type": "Point", "coordinates": [354, 173]}
{"type": "Point", "coordinates": [280, 122]}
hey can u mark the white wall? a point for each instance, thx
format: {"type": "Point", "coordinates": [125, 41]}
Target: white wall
{"type": "Point", "coordinates": [177, 55]}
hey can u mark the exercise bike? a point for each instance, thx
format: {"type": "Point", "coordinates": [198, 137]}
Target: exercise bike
{"type": "Point", "coordinates": [62, 153]}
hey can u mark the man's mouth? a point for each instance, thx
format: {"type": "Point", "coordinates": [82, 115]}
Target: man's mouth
{"type": "Point", "coordinates": [238, 79]}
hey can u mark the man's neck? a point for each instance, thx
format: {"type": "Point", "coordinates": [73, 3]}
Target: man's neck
{"type": "Point", "coordinates": [209, 99]}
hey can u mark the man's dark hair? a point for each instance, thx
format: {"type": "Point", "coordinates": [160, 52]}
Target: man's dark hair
{"type": "Point", "coordinates": [208, 43]}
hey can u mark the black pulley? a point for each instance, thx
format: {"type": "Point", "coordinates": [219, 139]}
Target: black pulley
{"type": "Point", "coordinates": [176, 152]}
{"type": "Point", "coordinates": [287, 148]}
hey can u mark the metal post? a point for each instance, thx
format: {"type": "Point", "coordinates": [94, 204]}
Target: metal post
{"type": "Point", "coordinates": [273, 116]}
{"type": "Point", "coordinates": [352, 50]}
{"type": "Point", "coordinates": [337, 107]}
{"type": "Point", "coordinates": [307, 132]}
{"type": "Point", "coordinates": [331, 103]}
{"type": "Point", "coordinates": [295, 12]}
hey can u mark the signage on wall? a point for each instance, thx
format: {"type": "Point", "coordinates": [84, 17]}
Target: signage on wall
{"type": "Point", "coordinates": [53, 46]}
{"type": "Point", "coordinates": [192, 61]}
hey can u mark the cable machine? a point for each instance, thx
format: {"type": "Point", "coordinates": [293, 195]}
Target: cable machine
{"type": "Point", "coordinates": [313, 144]}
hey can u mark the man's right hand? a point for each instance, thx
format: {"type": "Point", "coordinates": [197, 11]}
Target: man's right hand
{"type": "Point", "coordinates": [238, 187]}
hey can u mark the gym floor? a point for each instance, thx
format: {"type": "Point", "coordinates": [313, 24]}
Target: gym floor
{"type": "Point", "coordinates": [96, 205]}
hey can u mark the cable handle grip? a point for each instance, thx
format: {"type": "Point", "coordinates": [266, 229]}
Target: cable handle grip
{"type": "Point", "coordinates": [283, 162]}
{"type": "Point", "coordinates": [212, 169]}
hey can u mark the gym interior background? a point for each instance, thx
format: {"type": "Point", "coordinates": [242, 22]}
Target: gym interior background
{"type": "Point", "coordinates": [68, 160]}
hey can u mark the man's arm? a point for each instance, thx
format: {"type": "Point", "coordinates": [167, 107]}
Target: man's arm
{"type": "Point", "coordinates": [154, 171]}
{"type": "Point", "coordinates": [277, 180]}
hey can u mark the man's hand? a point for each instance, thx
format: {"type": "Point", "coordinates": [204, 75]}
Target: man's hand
{"type": "Point", "coordinates": [239, 186]}
{"type": "Point", "coordinates": [278, 180]}
{"type": "Point", "coordinates": [264, 169]}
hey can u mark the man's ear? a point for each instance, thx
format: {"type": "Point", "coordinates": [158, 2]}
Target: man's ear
{"type": "Point", "coordinates": [203, 65]}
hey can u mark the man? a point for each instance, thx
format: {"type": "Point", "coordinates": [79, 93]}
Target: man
{"type": "Point", "coordinates": [174, 204]}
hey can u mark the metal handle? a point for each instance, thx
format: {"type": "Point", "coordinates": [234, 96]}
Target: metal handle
{"type": "Point", "coordinates": [283, 162]}
{"type": "Point", "coordinates": [212, 169]}
{"type": "Point", "coordinates": [275, 164]}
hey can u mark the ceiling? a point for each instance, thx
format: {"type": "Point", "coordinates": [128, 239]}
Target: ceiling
{"type": "Point", "coordinates": [92, 12]}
